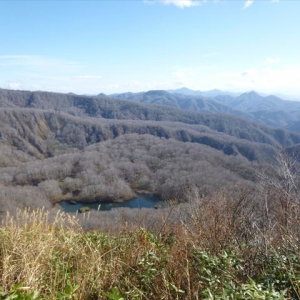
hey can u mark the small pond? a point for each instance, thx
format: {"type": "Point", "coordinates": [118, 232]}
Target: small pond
{"type": "Point", "coordinates": [141, 201]}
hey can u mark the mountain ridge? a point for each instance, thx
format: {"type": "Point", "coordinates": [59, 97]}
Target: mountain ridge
{"type": "Point", "coordinates": [268, 110]}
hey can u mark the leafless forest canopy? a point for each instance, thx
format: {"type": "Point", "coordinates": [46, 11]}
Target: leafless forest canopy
{"type": "Point", "coordinates": [66, 147]}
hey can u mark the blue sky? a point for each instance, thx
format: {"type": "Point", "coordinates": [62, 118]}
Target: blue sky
{"type": "Point", "coordinates": [89, 47]}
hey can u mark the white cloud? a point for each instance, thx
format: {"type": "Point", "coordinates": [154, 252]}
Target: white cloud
{"type": "Point", "coordinates": [179, 75]}
{"type": "Point", "coordinates": [249, 73]}
{"type": "Point", "coordinates": [89, 77]}
{"type": "Point", "coordinates": [132, 84]}
{"type": "Point", "coordinates": [181, 83]}
{"type": "Point", "coordinates": [287, 79]}
{"type": "Point", "coordinates": [271, 60]}
{"type": "Point", "coordinates": [268, 80]}
{"type": "Point", "coordinates": [36, 67]}
{"type": "Point", "coordinates": [14, 85]}
{"type": "Point", "coordinates": [32, 60]}
{"type": "Point", "coordinates": [248, 3]}
{"type": "Point", "coordinates": [44, 73]}
{"type": "Point", "coordinates": [178, 3]}
{"type": "Point", "coordinates": [5, 57]}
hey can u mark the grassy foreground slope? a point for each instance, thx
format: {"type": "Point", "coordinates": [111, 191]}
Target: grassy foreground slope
{"type": "Point", "coordinates": [238, 244]}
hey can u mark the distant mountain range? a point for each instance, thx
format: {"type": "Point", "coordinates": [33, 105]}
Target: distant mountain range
{"type": "Point", "coordinates": [216, 92]}
{"type": "Point", "coordinates": [268, 110]}
{"type": "Point", "coordinates": [211, 93]}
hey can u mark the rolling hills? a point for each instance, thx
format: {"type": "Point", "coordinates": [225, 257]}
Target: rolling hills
{"type": "Point", "coordinates": [70, 147]}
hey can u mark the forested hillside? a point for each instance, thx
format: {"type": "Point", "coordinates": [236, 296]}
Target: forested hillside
{"type": "Point", "coordinates": [58, 147]}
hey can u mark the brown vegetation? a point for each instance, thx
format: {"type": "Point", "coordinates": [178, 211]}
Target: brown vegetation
{"type": "Point", "coordinates": [237, 244]}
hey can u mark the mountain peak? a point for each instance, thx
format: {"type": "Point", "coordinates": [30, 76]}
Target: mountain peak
{"type": "Point", "coordinates": [252, 93]}
{"type": "Point", "coordinates": [211, 93]}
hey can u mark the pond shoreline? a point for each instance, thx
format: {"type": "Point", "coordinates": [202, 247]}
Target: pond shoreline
{"type": "Point", "coordinates": [142, 200]}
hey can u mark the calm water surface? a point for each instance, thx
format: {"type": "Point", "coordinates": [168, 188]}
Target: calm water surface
{"type": "Point", "coordinates": [141, 201]}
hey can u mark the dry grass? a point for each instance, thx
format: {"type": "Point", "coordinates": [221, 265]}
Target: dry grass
{"type": "Point", "coordinates": [224, 247]}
